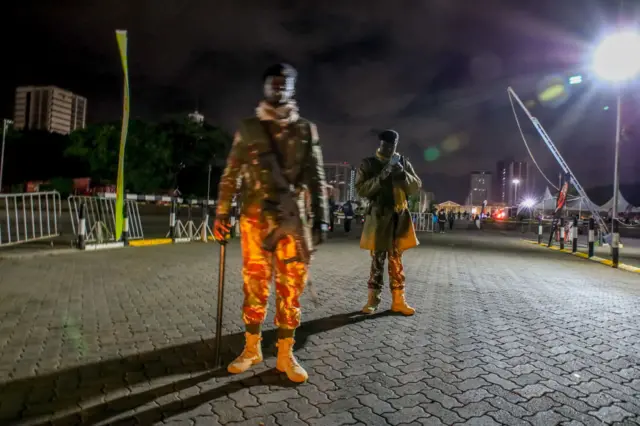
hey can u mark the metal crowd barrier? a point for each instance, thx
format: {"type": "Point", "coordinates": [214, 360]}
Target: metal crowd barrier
{"type": "Point", "coordinates": [100, 218]}
{"type": "Point", "coordinates": [423, 222]}
{"type": "Point", "coordinates": [30, 216]}
{"type": "Point", "coordinates": [183, 230]}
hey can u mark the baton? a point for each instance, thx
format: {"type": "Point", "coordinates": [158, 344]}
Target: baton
{"type": "Point", "coordinates": [221, 272]}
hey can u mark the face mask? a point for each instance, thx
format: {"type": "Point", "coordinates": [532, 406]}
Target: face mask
{"type": "Point", "coordinates": [279, 90]}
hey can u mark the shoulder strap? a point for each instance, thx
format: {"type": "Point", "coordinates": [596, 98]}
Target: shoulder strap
{"type": "Point", "coordinates": [256, 131]}
{"type": "Point", "coordinates": [274, 148]}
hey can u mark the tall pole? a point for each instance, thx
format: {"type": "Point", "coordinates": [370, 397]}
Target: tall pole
{"type": "Point", "coordinates": [208, 184]}
{"type": "Point", "coordinates": [616, 158]}
{"type": "Point", "coordinates": [4, 137]}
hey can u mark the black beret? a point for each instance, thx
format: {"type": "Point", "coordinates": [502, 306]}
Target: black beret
{"type": "Point", "coordinates": [280, 70]}
{"type": "Point", "coordinates": [389, 136]}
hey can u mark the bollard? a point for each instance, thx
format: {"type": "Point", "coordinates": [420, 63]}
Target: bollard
{"type": "Point", "coordinates": [574, 235]}
{"type": "Point", "coordinates": [82, 227]}
{"type": "Point", "coordinates": [172, 220]}
{"type": "Point", "coordinates": [205, 223]}
{"type": "Point", "coordinates": [592, 227]}
{"type": "Point", "coordinates": [540, 231]}
{"type": "Point", "coordinates": [615, 244]}
{"type": "Point", "coordinates": [125, 224]}
{"type": "Point", "coordinates": [562, 233]}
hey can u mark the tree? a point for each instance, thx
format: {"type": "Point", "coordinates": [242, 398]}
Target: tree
{"type": "Point", "coordinates": [195, 147]}
{"type": "Point", "coordinates": [35, 155]}
{"type": "Point", "coordinates": [96, 148]}
{"type": "Point", "coordinates": [159, 157]}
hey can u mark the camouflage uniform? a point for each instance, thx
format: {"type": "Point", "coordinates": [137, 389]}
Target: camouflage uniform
{"type": "Point", "coordinates": [388, 229]}
{"type": "Point", "coordinates": [302, 164]}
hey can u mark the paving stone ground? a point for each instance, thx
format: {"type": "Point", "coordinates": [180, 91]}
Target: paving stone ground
{"type": "Point", "coordinates": [505, 333]}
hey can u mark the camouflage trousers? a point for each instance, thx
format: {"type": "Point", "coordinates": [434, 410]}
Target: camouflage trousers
{"type": "Point", "coordinates": [396, 270]}
{"type": "Point", "coordinates": [258, 267]}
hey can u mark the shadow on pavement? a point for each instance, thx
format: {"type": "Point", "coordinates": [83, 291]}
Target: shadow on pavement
{"type": "Point", "coordinates": [68, 389]}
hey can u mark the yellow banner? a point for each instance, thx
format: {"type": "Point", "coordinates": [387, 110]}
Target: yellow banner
{"type": "Point", "coordinates": [121, 36]}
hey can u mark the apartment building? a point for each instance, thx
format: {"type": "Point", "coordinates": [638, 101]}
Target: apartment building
{"type": "Point", "coordinates": [49, 108]}
{"type": "Point", "coordinates": [341, 177]}
{"type": "Point", "coordinates": [480, 187]}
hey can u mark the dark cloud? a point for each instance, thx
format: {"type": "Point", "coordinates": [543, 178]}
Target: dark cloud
{"type": "Point", "coordinates": [435, 70]}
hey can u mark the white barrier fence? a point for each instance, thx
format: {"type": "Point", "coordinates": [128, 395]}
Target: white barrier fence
{"type": "Point", "coordinates": [100, 218]}
{"type": "Point", "coordinates": [423, 222]}
{"type": "Point", "coordinates": [29, 217]}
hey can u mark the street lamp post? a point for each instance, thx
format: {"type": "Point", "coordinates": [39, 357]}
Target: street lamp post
{"type": "Point", "coordinates": [515, 191]}
{"type": "Point", "coordinates": [208, 185]}
{"type": "Point", "coordinates": [5, 124]}
{"type": "Point", "coordinates": [617, 59]}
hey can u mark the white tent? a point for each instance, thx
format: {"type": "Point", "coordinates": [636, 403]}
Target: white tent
{"type": "Point", "coordinates": [622, 204]}
{"type": "Point", "coordinates": [547, 202]}
{"type": "Point", "coordinates": [581, 204]}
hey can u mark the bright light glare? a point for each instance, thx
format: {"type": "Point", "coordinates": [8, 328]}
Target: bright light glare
{"type": "Point", "coordinates": [516, 181]}
{"type": "Point", "coordinates": [618, 57]}
{"type": "Point", "coordinates": [528, 203]}
{"type": "Point", "coordinates": [576, 79]}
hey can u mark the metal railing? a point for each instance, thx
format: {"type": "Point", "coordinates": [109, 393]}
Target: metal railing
{"type": "Point", "coordinates": [100, 218]}
{"type": "Point", "coordinates": [30, 216]}
{"type": "Point", "coordinates": [423, 222]}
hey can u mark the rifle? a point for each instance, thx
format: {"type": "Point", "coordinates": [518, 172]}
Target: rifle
{"type": "Point", "coordinates": [282, 206]}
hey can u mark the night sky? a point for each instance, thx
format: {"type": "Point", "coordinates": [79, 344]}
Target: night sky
{"type": "Point", "coordinates": [435, 70]}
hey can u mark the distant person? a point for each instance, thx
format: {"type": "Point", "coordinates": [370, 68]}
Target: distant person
{"type": "Point", "coordinates": [333, 208]}
{"type": "Point", "coordinates": [387, 180]}
{"type": "Point", "coordinates": [442, 220]}
{"type": "Point", "coordinates": [347, 209]}
{"type": "Point", "coordinates": [452, 219]}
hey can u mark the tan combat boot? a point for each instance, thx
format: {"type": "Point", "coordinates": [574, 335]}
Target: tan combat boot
{"type": "Point", "coordinates": [399, 304]}
{"type": "Point", "coordinates": [250, 356]}
{"type": "Point", "coordinates": [372, 303]}
{"type": "Point", "coordinates": [287, 363]}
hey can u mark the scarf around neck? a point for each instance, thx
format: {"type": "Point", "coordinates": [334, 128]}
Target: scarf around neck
{"type": "Point", "coordinates": [284, 114]}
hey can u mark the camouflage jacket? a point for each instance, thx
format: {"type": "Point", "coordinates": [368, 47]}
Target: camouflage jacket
{"type": "Point", "coordinates": [302, 164]}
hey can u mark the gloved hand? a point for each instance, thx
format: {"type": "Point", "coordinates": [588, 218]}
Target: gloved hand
{"type": "Point", "coordinates": [221, 229]}
{"type": "Point", "coordinates": [319, 232]}
{"type": "Point", "coordinates": [397, 169]}
{"type": "Point", "coordinates": [385, 172]}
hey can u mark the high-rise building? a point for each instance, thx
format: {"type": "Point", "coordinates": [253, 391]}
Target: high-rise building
{"type": "Point", "coordinates": [49, 108]}
{"type": "Point", "coordinates": [341, 177]}
{"type": "Point", "coordinates": [500, 190]}
{"type": "Point", "coordinates": [509, 171]}
{"type": "Point", "coordinates": [480, 187]}
{"type": "Point", "coordinates": [517, 181]}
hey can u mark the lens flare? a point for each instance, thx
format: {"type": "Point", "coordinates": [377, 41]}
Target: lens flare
{"type": "Point", "coordinates": [431, 154]}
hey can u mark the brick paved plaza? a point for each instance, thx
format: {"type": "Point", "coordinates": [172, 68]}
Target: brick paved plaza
{"type": "Point", "coordinates": [505, 333]}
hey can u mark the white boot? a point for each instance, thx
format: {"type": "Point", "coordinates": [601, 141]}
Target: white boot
{"type": "Point", "coordinates": [250, 356]}
{"type": "Point", "coordinates": [287, 363]}
{"type": "Point", "coordinates": [372, 302]}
